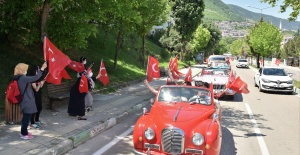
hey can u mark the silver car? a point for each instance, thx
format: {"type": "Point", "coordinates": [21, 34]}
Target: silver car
{"type": "Point", "coordinates": [273, 78]}
{"type": "Point", "coordinates": [242, 63]}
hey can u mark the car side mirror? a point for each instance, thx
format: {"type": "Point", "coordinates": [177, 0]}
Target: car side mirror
{"type": "Point", "coordinates": [257, 73]}
{"type": "Point", "coordinates": [290, 74]}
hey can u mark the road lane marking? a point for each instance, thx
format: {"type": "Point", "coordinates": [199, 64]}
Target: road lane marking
{"type": "Point", "coordinates": [114, 141]}
{"type": "Point", "coordinates": [261, 142]}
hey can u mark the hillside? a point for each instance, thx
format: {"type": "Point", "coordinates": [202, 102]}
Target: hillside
{"type": "Point", "coordinates": [217, 10]}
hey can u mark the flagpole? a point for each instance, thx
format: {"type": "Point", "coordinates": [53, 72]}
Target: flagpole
{"type": "Point", "coordinates": [46, 75]}
{"type": "Point", "coordinates": [147, 68]}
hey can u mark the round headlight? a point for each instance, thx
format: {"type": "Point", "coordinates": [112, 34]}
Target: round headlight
{"type": "Point", "coordinates": [149, 134]}
{"type": "Point", "coordinates": [198, 139]}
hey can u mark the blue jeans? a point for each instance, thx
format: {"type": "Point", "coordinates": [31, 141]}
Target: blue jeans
{"type": "Point", "coordinates": [25, 122]}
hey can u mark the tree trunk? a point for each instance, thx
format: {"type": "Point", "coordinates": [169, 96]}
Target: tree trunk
{"type": "Point", "coordinates": [118, 46]}
{"type": "Point", "coordinates": [143, 50]}
{"type": "Point", "coordinates": [257, 61]}
{"type": "Point", "coordinates": [44, 18]}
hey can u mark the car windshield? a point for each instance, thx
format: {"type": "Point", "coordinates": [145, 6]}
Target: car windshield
{"type": "Point", "coordinates": [217, 59]}
{"type": "Point", "coordinates": [242, 60]}
{"type": "Point", "coordinates": [274, 71]}
{"type": "Point", "coordinates": [189, 95]}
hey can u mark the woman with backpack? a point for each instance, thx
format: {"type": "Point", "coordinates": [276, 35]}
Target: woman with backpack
{"type": "Point", "coordinates": [27, 105]}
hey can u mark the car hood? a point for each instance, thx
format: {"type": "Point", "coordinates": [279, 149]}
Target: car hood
{"type": "Point", "coordinates": [167, 113]}
{"type": "Point", "coordinates": [276, 78]}
{"type": "Point", "coordinates": [215, 79]}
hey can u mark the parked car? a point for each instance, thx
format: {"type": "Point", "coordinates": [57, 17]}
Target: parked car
{"type": "Point", "coordinates": [215, 59]}
{"type": "Point", "coordinates": [273, 78]}
{"type": "Point", "coordinates": [183, 120]}
{"type": "Point", "coordinates": [218, 77]}
{"type": "Point", "coordinates": [242, 63]}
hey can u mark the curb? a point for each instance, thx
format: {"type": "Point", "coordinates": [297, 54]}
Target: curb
{"type": "Point", "coordinates": [75, 140]}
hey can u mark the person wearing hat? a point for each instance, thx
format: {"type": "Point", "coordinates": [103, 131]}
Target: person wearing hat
{"type": "Point", "coordinates": [27, 105]}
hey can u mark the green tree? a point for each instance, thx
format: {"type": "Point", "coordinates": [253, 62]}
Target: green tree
{"type": "Point", "coordinates": [238, 46]}
{"type": "Point", "coordinates": [171, 40]}
{"type": "Point", "coordinates": [294, 4]}
{"type": "Point", "coordinates": [200, 39]}
{"type": "Point", "coordinates": [151, 12]}
{"type": "Point", "coordinates": [292, 48]}
{"type": "Point", "coordinates": [187, 16]}
{"type": "Point", "coordinates": [264, 39]}
{"type": "Point", "coordinates": [214, 39]}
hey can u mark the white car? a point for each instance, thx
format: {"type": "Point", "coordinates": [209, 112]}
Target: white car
{"type": "Point", "coordinates": [273, 78]}
{"type": "Point", "coordinates": [242, 63]}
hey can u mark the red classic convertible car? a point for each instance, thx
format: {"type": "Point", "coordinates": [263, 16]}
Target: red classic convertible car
{"type": "Point", "coordinates": [183, 120]}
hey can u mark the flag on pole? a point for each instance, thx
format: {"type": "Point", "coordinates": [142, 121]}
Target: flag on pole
{"type": "Point", "coordinates": [57, 61]}
{"type": "Point", "coordinates": [103, 74]}
{"type": "Point", "coordinates": [173, 66]}
{"type": "Point", "coordinates": [76, 66]}
{"type": "Point", "coordinates": [152, 69]}
{"type": "Point", "coordinates": [63, 74]}
{"type": "Point", "coordinates": [239, 86]}
{"type": "Point", "coordinates": [188, 76]}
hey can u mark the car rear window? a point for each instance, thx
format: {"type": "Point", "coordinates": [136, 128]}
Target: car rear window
{"type": "Point", "coordinates": [217, 59]}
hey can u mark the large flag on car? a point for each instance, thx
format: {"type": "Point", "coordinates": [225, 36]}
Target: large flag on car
{"type": "Point", "coordinates": [103, 74]}
{"type": "Point", "coordinates": [152, 69]}
{"type": "Point", "coordinates": [239, 86]}
{"type": "Point", "coordinates": [188, 76]}
{"type": "Point", "coordinates": [57, 60]}
{"type": "Point", "coordinates": [173, 66]}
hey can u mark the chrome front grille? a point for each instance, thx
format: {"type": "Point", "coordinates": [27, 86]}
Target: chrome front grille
{"type": "Point", "coordinates": [219, 86]}
{"type": "Point", "coordinates": [172, 140]}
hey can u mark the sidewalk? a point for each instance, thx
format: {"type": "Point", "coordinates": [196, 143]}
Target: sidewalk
{"type": "Point", "coordinates": [61, 133]}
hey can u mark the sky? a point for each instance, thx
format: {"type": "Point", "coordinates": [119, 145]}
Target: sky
{"type": "Point", "coordinates": [266, 8]}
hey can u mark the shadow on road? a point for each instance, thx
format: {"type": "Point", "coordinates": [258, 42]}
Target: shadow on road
{"type": "Point", "coordinates": [227, 146]}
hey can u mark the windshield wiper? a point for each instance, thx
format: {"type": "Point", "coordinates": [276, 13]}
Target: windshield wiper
{"type": "Point", "coordinates": [176, 115]}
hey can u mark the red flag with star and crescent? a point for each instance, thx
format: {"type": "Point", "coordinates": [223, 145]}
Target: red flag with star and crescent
{"type": "Point", "coordinates": [239, 86]}
{"type": "Point", "coordinates": [57, 61]}
{"type": "Point", "coordinates": [63, 74]}
{"type": "Point", "coordinates": [173, 65]}
{"type": "Point", "coordinates": [103, 74]}
{"type": "Point", "coordinates": [83, 85]}
{"type": "Point", "coordinates": [76, 66]}
{"type": "Point", "coordinates": [152, 69]}
{"type": "Point", "coordinates": [188, 76]}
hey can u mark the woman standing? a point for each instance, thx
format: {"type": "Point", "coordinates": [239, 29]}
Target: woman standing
{"type": "Point", "coordinates": [27, 105]}
{"type": "Point", "coordinates": [37, 89]}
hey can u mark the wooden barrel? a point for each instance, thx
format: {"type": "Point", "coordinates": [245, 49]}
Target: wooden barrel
{"type": "Point", "coordinates": [13, 114]}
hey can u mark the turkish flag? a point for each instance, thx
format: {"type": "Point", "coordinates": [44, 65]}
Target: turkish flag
{"type": "Point", "coordinates": [239, 86]}
{"type": "Point", "coordinates": [173, 65]}
{"type": "Point", "coordinates": [63, 74]}
{"type": "Point", "coordinates": [57, 61]}
{"type": "Point", "coordinates": [188, 76]}
{"type": "Point", "coordinates": [277, 62]}
{"type": "Point", "coordinates": [83, 85]}
{"type": "Point", "coordinates": [103, 74]}
{"type": "Point", "coordinates": [231, 78]}
{"type": "Point", "coordinates": [76, 66]}
{"type": "Point", "coordinates": [152, 69]}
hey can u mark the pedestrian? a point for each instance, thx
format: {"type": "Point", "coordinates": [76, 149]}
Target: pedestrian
{"type": "Point", "coordinates": [27, 105]}
{"type": "Point", "coordinates": [37, 90]}
{"type": "Point", "coordinates": [76, 106]}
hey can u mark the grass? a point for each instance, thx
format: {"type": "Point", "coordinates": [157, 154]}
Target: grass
{"type": "Point", "coordinates": [102, 47]}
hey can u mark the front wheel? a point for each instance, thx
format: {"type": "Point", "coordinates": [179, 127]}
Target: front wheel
{"type": "Point", "coordinates": [259, 88]}
{"type": "Point", "coordinates": [255, 85]}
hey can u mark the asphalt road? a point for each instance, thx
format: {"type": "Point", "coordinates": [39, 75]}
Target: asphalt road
{"type": "Point", "coordinates": [252, 124]}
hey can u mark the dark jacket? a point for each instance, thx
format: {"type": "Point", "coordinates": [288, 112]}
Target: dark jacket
{"type": "Point", "coordinates": [28, 103]}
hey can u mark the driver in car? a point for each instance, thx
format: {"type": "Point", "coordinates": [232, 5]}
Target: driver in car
{"type": "Point", "coordinates": [200, 97]}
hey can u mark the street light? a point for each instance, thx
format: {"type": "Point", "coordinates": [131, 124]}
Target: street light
{"type": "Point", "coordinates": [260, 9]}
